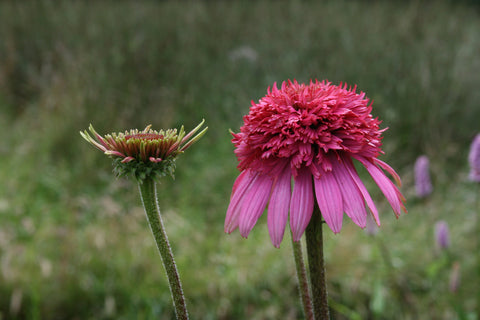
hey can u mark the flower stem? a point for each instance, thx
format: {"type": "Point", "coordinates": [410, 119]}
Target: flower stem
{"type": "Point", "coordinates": [302, 280]}
{"type": "Point", "coordinates": [148, 192]}
{"type": "Point", "coordinates": [317, 266]}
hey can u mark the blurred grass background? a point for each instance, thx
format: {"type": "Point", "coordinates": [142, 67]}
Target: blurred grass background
{"type": "Point", "coordinates": [74, 242]}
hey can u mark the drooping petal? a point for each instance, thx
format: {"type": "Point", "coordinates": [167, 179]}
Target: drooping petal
{"type": "Point", "coordinates": [114, 153]}
{"type": "Point", "coordinates": [279, 206]}
{"type": "Point", "coordinates": [301, 205]}
{"type": "Point", "coordinates": [329, 199]}
{"type": "Point", "coordinates": [388, 188]}
{"type": "Point", "coordinates": [254, 203]}
{"type": "Point", "coordinates": [368, 199]}
{"type": "Point", "coordinates": [390, 170]}
{"type": "Point", "coordinates": [240, 187]}
{"type": "Point", "coordinates": [128, 159]}
{"type": "Point", "coordinates": [102, 146]}
{"type": "Point", "coordinates": [238, 181]}
{"type": "Point", "coordinates": [353, 203]}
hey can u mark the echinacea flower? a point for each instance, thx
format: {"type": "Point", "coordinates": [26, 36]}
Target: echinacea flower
{"type": "Point", "coordinates": [147, 153]}
{"type": "Point", "coordinates": [423, 184]}
{"type": "Point", "coordinates": [310, 133]}
{"type": "Point", "coordinates": [474, 159]}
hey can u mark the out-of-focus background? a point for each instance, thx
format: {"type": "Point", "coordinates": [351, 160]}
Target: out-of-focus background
{"type": "Point", "coordinates": [74, 242]}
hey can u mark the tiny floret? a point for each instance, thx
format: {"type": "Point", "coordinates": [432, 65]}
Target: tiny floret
{"type": "Point", "coordinates": [147, 153]}
{"type": "Point", "coordinates": [308, 133]}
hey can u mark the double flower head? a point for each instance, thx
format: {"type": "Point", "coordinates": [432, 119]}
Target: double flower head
{"type": "Point", "coordinates": [309, 134]}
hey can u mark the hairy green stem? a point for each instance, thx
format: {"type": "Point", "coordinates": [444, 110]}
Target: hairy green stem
{"type": "Point", "coordinates": [148, 192]}
{"type": "Point", "coordinates": [317, 266]}
{"type": "Point", "coordinates": [302, 280]}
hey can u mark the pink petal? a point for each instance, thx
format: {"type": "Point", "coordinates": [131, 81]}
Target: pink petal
{"type": "Point", "coordinates": [353, 202]}
{"type": "Point", "coordinates": [127, 159]}
{"type": "Point", "coordinates": [388, 188]}
{"type": "Point", "coordinates": [114, 153]}
{"type": "Point", "coordinates": [240, 187]}
{"type": "Point", "coordinates": [390, 170]}
{"type": "Point", "coordinates": [301, 205]}
{"type": "Point", "coordinates": [254, 203]}
{"type": "Point", "coordinates": [329, 199]}
{"type": "Point", "coordinates": [238, 181]}
{"type": "Point", "coordinates": [354, 174]}
{"type": "Point", "coordinates": [101, 146]}
{"type": "Point", "coordinates": [279, 206]}
{"type": "Point", "coordinates": [100, 139]}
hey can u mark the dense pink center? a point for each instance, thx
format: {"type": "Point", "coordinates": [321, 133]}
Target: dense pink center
{"type": "Point", "coordinates": [302, 123]}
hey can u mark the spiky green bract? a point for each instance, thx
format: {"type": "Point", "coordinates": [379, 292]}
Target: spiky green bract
{"type": "Point", "coordinates": [144, 154]}
{"type": "Point", "coordinates": [141, 170]}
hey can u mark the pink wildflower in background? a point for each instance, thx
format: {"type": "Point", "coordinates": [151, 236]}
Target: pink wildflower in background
{"type": "Point", "coordinates": [474, 159]}
{"type": "Point", "coordinates": [371, 227]}
{"type": "Point", "coordinates": [423, 184]}
{"type": "Point", "coordinates": [454, 282]}
{"type": "Point", "coordinates": [310, 133]}
{"type": "Point", "coordinates": [442, 234]}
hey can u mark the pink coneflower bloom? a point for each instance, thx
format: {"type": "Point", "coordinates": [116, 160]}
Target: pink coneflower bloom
{"type": "Point", "coordinates": [474, 159]}
{"type": "Point", "coordinates": [310, 133]}
{"type": "Point", "coordinates": [442, 234]}
{"type": "Point", "coordinates": [423, 184]}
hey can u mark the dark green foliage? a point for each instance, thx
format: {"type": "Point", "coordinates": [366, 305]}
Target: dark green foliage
{"type": "Point", "coordinates": [141, 170]}
{"type": "Point", "coordinates": [74, 242]}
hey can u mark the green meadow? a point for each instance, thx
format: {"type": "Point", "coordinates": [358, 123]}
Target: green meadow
{"type": "Point", "coordinates": [74, 240]}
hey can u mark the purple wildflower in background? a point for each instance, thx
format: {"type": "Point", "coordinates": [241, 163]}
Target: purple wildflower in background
{"type": "Point", "coordinates": [372, 227]}
{"type": "Point", "coordinates": [474, 159]}
{"type": "Point", "coordinates": [454, 277]}
{"type": "Point", "coordinates": [423, 184]}
{"type": "Point", "coordinates": [442, 234]}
